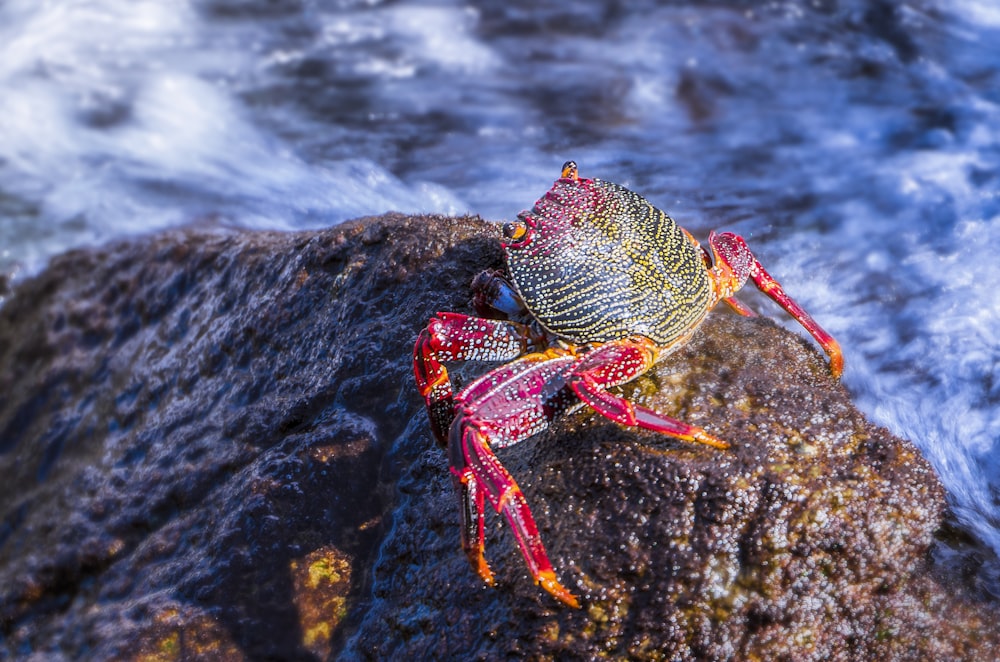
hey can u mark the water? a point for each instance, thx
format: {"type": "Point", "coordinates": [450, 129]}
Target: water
{"type": "Point", "coordinates": [855, 144]}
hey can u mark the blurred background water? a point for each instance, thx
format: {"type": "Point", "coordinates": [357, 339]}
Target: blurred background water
{"type": "Point", "coordinates": [856, 144]}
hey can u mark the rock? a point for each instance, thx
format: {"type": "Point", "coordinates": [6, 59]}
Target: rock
{"type": "Point", "coordinates": [212, 446]}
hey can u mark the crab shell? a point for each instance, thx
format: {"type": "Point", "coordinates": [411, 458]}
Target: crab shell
{"type": "Point", "coordinates": [596, 262]}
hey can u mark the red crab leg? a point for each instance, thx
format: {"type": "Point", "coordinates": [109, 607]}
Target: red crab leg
{"type": "Point", "coordinates": [506, 406]}
{"type": "Point", "coordinates": [473, 504]}
{"type": "Point", "coordinates": [734, 303]}
{"type": "Point", "coordinates": [455, 337]}
{"type": "Point", "coordinates": [618, 362]}
{"type": "Point", "coordinates": [506, 497]}
{"type": "Point", "coordinates": [735, 263]}
{"type": "Point", "coordinates": [740, 307]}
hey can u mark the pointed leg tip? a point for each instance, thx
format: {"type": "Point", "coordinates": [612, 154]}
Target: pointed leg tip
{"type": "Point", "coordinates": [482, 568]}
{"type": "Point", "coordinates": [477, 559]}
{"type": "Point", "coordinates": [836, 362]}
{"type": "Point", "coordinates": [547, 580]}
{"type": "Point", "coordinates": [703, 437]}
{"type": "Point", "coordinates": [740, 307]}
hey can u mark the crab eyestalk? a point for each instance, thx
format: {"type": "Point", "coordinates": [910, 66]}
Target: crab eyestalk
{"type": "Point", "coordinates": [570, 171]}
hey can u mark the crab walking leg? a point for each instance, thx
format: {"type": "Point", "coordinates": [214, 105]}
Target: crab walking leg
{"type": "Point", "coordinates": [456, 337]}
{"type": "Point", "coordinates": [485, 476]}
{"type": "Point", "coordinates": [733, 255]}
{"type": "Point", "coordinates": [766, 284]}
{"type": "Point", "coordinates": [733, 303]}
{"type": "Point", "coordinates": [619, 362]}
{"type": "Point", "coordinates": [473, 504]}
{"type": "Point", "coordinates": [740, 307]}
{"type": "Point", "coordinates": [434, 385]}
{"type": "Point", "coordinates": [502, 408]}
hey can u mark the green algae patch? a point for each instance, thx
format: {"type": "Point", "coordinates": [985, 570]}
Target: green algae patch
{"type": "Point", "coordinates": [321, 582]}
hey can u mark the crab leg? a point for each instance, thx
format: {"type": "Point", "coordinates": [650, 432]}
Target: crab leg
{"type": "Point", "coordinates": [735, 263]}
{"type": "Point", "coordinates": [619, 362]}
{"type": "Point", "coordinates": [484, 477]}
{"type": "Point", "coordinates": [740, 307]}
{"type": "Point", "coordinates": [733, 302]}
{"type": "Point", "coordinates": [473, 505]}
{"type": "Point", "coordinates": [455, 337]}
{"type": "Point", "coordinates": [502, 408]}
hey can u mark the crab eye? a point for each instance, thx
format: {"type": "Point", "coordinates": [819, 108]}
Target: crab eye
{"type": "Point", "coordinates": [515, 231]}
{"type": "Point", "coordinates": [569, 171]}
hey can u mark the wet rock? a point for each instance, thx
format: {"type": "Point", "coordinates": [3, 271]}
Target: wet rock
{"type": "Point", "coordinates": [808, 540]}
{"type": "Point", "coordinates": [212, 446]}
{"type": "Point", "coordinates": [194, 432]}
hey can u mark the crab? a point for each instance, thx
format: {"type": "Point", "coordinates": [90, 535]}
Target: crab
{"type": "Point", "coordinates": [600, 285]}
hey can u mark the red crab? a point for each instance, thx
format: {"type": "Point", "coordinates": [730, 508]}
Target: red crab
{"type": "Point", "coordinates": [602, 285]}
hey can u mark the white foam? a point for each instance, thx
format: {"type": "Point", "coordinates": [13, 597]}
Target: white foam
{"type": "Point", "coordinates": [117, 118]}
{"type": "Point", "coordinates": [980, 12]}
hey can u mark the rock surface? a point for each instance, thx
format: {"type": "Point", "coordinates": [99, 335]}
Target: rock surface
{"type": "Point", "coordinates": [211, 445]}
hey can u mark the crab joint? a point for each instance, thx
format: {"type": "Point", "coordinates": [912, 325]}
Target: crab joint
{"type": "Point", "coordinates": [506, 496]}
{"type": "Point", "coordinates": [438, 383]}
